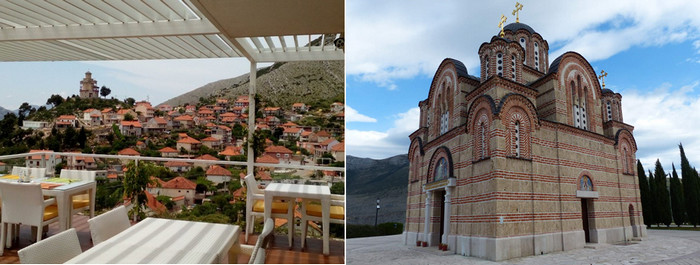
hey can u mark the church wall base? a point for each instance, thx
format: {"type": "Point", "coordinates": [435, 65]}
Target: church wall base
{"type": "Point", "coordinates": [614, 235]}
{"type": "Point", "coordinates": [498, 249]}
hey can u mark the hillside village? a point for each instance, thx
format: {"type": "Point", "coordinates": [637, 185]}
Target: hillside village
{"type": "Point", "coordinates": [213, 129]}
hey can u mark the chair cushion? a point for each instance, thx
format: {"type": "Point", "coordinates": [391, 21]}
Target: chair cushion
{"type": "Point", "coordinates": [277, 207]}
{"type": "Point", "coordinates": [337, 212]}
{"type": "Point", "coordinates": [80, 201]}
{"type": "Point", "coordinates": [50, 212]}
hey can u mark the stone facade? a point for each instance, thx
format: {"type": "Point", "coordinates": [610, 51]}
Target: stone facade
{"type": "Point", "coordinates": [88, 87]}
{"type": "Point", "coordinates": [529, 159]}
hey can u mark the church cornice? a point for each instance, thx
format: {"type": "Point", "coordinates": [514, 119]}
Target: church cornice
{"type": "Point", "coordinates": [574, 130]}
{"type": "Point", "coordinates": [506, 83]}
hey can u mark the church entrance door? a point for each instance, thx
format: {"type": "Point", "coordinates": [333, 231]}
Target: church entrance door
{"type": "Point", "coordinates": [584, 215]}
{"type": "Point", "coordinates": [441, 198]}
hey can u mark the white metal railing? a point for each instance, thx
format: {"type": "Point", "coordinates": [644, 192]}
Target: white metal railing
{"type": "Point", "coordinates": [44, 154]}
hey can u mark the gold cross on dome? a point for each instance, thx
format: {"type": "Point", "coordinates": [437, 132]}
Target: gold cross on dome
{"type": "Point", "coordinates": [500, 24]}
{"type": "Point", "coordinates": [602, 76]}
{"type": "Point", "coordinates": [518, 7]}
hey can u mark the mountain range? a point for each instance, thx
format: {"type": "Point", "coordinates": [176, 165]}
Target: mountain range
{"type": "Point", "coordinates": [369, 179]}
{"type": "Point", "coordinates": [317, 83]}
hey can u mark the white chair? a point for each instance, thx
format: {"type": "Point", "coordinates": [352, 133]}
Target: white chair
{"type": "Point", "coordinates": [107, 225]}
{"type": "Point", "coordinates": [33, 172]}
{"type": "Point", "coordinates": [311, 210]}
{"type": "Point", "coordinates": [81, 202]}
{"type": "Point", "coordinates": [257, 252]}
{"type": "Point", "coordinates": [24, 204]}
{"type": "Point", "coordinates": [255, 206]}
{"type": "Point", "coordinates": [55, 249]}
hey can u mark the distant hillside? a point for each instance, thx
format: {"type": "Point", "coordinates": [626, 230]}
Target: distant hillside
{"type": "Point", "coordinates": [369, 179]}
{"type": "Point", "coordinates": [4, 111]}
{"type": "Point", "coordinates": [316, 83]}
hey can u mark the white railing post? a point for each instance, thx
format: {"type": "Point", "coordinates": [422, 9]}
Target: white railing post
{"type": "Point", "coordinates": [251, 117]}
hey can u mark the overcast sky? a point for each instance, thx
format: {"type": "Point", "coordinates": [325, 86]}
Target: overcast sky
{"type": "Point", "coordinates": [651, 50]}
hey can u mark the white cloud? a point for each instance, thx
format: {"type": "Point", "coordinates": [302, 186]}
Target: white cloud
{"type": "Point", "coordinates": [391, 40]}
{"type": "Point", "coordinates": [375, 144]}
{"type": "Point", "coordinates": [351, 115]}
{"type": "Point", "coordinates": [664, 118]}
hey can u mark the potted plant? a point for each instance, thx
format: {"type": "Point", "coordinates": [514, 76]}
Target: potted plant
{"type": "Point", "coordinates": [444, 247]}
{"type": "Point", "coordinates": [418, 243]}
{"type": "Point", "coordinates": [425, 244]}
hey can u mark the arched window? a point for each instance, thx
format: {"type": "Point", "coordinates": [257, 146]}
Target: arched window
{"type": "Point", "coordinates": [625, 161]}
{"type": "Point", "coordinates": [499, 64]}
{"type": "Point", "coordinates": [482, 138]}
{"type": "Point", "coordinates": [537, 57]}
{"type": "Point", "coordinates": [576, 111]}
{"type": "Point", "coordinates": [415, 166]}
{"type": "Point", "coordinates": [584, 118]}
{"type": "Point", "coordinates": [441, 170]}
{"type": "Point", "coordinates": [523, 44]}
{"type": "Point", "coordinates": [609, 108]}
{"type": "Point", "coordinates": [516, 134]}
{"type": "Point", "coordinates": [586, 184]}
{"type": "Point", "coordinates": [512, 63]}
{"type": "Point", "coordinates": [486, 67]}
{"type": "Point", "coordinates": [444, 122]}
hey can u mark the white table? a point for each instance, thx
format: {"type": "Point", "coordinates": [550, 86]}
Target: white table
{"type": "Point", "coordinates": [164, 241]}
{"type": "Point", "coordinates": [64, 202]}
{"type": "Point", "coordinates": [322, 193]}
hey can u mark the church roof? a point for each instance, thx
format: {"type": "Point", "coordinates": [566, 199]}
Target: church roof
{"type": "Point", "coordinates": [516, 26]}
{"type": "Point", "coordinates": [605, 90]}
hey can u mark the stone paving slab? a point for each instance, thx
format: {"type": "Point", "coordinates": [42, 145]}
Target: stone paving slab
{"type": "Point", "coordinates": [660, 247]}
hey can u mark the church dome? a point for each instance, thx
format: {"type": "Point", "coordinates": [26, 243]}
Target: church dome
{"type": "Point", "coordinates": [516, 26]}
{"type": "Point", "coordinates": [605, 91]}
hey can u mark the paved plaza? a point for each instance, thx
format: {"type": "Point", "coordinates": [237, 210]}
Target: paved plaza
{"type": "Point", "coordinates": [660, 247]}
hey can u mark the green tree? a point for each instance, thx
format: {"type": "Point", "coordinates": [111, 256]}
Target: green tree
{"type": "Point", "coordinates": [136, 179]}
{"type": "Point", "coordinates": [82, 137]}
{"type": "Point", "coordinates": [662, 195]}
{"type": "Point", "coordinates": [55, 100]}
{"type": "Point", "coordinates": [105, 91]}
{"type": "Point", "coordinates": [128, 117]}
{"type": "Point", "coordinates": [677, 201]}
{"type": "Point", "coordinates": [690, 189]}
{"type": "Point", "coordinates": [234, 184]}
{"type": "Point", "coordinates": [653, 199]}
{"type": "Point", "coordinates": [644, 192]}
{"type": "Point", "coordinates": [69, 137]}
{"type": "Point", "coordinates": [129, 102]}
{"type": "Point", "coordinates": [338, 188]}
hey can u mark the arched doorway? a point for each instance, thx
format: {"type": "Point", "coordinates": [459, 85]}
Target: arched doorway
{"type": "Point", "coordinates": [587, 194]}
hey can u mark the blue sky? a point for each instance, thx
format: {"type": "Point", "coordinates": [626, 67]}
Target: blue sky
{"type": "Point", "coordinates": [651, 50]}
{"type": "Point", "coordinates": [156, 80]}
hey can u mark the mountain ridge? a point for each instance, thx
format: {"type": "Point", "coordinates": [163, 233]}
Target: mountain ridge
{"type": "Point", "coordinates": [369, 179]}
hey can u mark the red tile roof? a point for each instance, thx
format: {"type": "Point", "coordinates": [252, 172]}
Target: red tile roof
{"type": "Point", "coordinates": [160, 120]}
{"type": "Point", "coordinates": [112, 176]}
{"type": "Point", "coordinates": [168, 150]}
{"type": "Point", "coordinates": [157, 182]}
{"type": "Point", "coordinates": [323, 134]}
{"type": "Point", "coordinates": [211, 139]}
{"type": "Point", "coordinates": [228, 114]}
{"type": "Point", "coordinates": [36, 157]}
{"type": "Point", "coordinates": [231, 151]}
{"type": "Point", "coordinates": [218, 171]}
{"type": "Point", "coordinates": [292, 130]}
{"type": "Point", "coordinates": [136, 124]}
{"type": "Point", "coordinates": [154, 204]}
{"type": "Point", "coordinates": [206, 157]}
{"type": "Point", "coordinates": [180, 183]}
{"type": "Point", "coordinates": [298, 105]}
{"type": "Point", "coordinates": [278, 149]}
{"type": "Point", "coordinates": [184, 118]}
{"type": "Point", "coordinates": [129, 152]}
{"type": "Point", "coordinates": [267, 159]}
{"type": "Point", "coordinates": [339, 147]}
{"type": "Point", "coordinates": [264, 175]}
{"type": "Point", "coordinates": [66, 117]}
{"type": "Point", "coordinates": [328, 141]}
{"type": "Point", "coordinates": [189, 140]}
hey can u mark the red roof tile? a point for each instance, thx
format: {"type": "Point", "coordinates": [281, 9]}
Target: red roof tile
{"type": "Point", "coordinates": [231, 151]}
{"type": "Point", "coordinates": [168, 150]}
{"type": "Point", "coordinates": [189, 140]}
{"type": "Point", "coordinates": [184, 118]}
{"type": "Point", "coordinates": [206, 157]}
{"type": "Point", "coordinates": [154, 204]}
{"type": "Point", "coordinates": [129, 152]}
{"type": "Point", "coordinates": [136, 124]}
{"type": "Point", "coordinates": [339, 147]}
{"type": "Point", "coordinates": [278, 149]}
{"type": "Point", "coordinates": [177, 164]}
{"type": "Point", "coordinates": [180, 183]}
{"type": "Point", "coordinates": [218, 171]}
{"type": "Point", "coordinates": [267, 159]}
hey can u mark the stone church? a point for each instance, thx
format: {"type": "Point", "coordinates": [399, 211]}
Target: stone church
{"type": "Point", "coordinates": [527, 159]}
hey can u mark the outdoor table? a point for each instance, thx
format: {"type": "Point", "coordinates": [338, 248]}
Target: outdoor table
{"type": "Point", "coordinates": [165, 241]}
{"type": "Point", "coordinates": [314, 192]}
{"type": "Point", "coordinates": [63, 194]}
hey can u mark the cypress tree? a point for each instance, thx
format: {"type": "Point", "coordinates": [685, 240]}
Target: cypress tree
{"type": "Point", "coordinates": [663, 198]}
{"type": "Point", "coordinates": [644, 193]}
{"type": "Point", "coordinates": [653, 199]}
{"type": "Point", "coordinates": [690, 191]}
{"type": "Point", "coordinates": [677, 201]}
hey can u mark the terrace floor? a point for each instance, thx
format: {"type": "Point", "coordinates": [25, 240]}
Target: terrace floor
{"type": "Point", "coordinates": [278, 252]}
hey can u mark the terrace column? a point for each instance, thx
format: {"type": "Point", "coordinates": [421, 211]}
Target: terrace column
{"type": "Point", "coordinates": [448, 212]}
{"type": "Point", "coordinates": [427, 217]}
{"type": "Point", "coordinates": [251, 116]}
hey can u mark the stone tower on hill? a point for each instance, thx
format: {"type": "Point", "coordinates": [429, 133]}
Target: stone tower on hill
{"type": "Point", "coordinates": [88, 87]}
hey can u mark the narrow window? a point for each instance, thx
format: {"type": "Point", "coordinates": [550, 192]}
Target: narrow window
{"type": "Point", "coordinates": [486, 63]}
{"type": "Point", "coordinates": [499, 64]}
{"type": "Point", "coordinates": [512, 63]}
{"type": "Point", "coordinates": [537, 57]}
{"type": "Point", "coordinates": [517, 138]}
{"type": "Point", "coordinates": [524, 45]}
{"type": "Point", "coordinates": [482, 137]}
{"type": "Point", "coordinates": [609, 108]}
{"type": "Point", "coordinates": [577, 116]}
{"type": "Point", "coordinates": [584, 120]}
{"type": "Point", "coordinates": [444, 122]}
{"type": "Point", "coordinates": [624, 161]}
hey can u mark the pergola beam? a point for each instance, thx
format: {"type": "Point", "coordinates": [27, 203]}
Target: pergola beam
{"type": "Point", "coordinates": [109, 31]}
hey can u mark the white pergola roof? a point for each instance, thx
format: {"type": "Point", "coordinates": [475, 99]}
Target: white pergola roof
{"type": "Point", "coordinates": [82, 30]}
